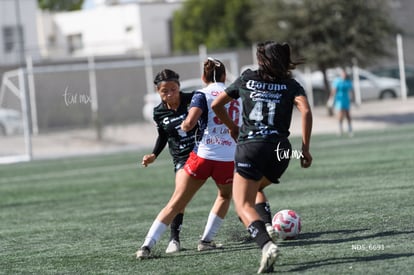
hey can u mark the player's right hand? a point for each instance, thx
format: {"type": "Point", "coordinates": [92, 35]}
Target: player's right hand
{"type": "Point", "coordinates": [234, 133]}
{"type": "Point", "coordinates": [147, 159]}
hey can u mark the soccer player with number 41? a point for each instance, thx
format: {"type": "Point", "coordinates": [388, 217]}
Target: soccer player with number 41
{"type": "Point", "coordinates": [268, 96]}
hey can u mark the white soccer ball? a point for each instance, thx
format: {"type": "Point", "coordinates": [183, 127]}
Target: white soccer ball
{"type": "Point", "coordinates": [287, 224]}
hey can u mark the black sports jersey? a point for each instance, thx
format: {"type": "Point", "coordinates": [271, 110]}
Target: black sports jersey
{"type": "Point", "coordinates": [168, 122]}
{"type": "Point", "coordinates": [267, 106]}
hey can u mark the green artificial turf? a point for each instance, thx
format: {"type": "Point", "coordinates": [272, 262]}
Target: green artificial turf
{"type": "Point", "coordinates": [88, 215]}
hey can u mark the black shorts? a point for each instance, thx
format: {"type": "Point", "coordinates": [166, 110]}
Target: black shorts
{"type": "Point", "coordinates": [254, 160]}
{"type": "Point", "coordinates": [178, 164]}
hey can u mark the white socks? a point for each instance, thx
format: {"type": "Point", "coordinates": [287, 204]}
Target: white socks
{"type": "Point", "coordinates": [154, 234]}
{"type": "Point", "coordinates": [158, 228]}
{"type": "Point", "coordinates": [213, 224]}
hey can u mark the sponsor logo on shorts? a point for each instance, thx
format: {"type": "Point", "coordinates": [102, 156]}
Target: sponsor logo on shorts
{"type": "Point", "coordinates": [242, 164]}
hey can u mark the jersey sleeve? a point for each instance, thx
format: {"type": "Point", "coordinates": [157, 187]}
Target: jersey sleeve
{"type": "Point", "coordinates": [299, 90]}
{"type": "Point", "coordinates": [233, 90]}
{"type": "Point", "coordinates": [162, 138]}
{"type": "Point", "coordinates": [160, 143]}
{"type": "Point", "coordinates": [186, 97]}
{"type": "Point", "coordinates": [335, 83]}
{"type": "Point", "coordinates": [199, 100]}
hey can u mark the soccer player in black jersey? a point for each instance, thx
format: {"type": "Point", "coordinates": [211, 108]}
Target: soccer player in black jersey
{"type": "Point", "coordinates": [212, 156]}
{"type": "Point", "coordinates": [168, 116]}
{"type": "Point", "coordinates": [262, 154]}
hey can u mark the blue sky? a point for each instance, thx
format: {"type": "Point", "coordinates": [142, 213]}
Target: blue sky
{"type": "Point", "coordinates": [88, 4]}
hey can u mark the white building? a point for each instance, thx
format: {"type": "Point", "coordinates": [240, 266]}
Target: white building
{"type": "Point", "coordinates": [18, 31]}
{"type": "Point", "coordinates": [108, 30]}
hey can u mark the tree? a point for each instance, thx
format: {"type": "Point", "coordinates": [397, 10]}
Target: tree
{"type": "Point", "coordinates": [215, 23]}
{"type": "Point", "coordinates": [327, 33]}
{"type": "Point", "coordinates": [60, 5]}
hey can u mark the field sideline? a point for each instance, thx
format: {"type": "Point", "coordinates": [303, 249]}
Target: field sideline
{"type": "Point", "coordinates": [88, 215]}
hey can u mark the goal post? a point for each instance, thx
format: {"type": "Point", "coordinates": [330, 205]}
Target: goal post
{"type": "Point", "coordinates": [15, 138]}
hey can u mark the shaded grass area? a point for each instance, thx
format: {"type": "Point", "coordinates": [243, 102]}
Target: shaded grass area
{"type": "Point", "coordinates": [89, 215]}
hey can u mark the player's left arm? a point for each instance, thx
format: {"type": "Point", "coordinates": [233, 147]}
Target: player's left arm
{"type": "Point", "coordinates": [301, 102]}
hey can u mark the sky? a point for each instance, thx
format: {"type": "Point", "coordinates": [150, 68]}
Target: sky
{"type": "Point", "coordinates": [90, 4]}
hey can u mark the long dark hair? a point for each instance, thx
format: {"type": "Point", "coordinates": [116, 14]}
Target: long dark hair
{"type": "Point", "coordinates": [274, 61]}
{"type": "Point", "coordinates": [214, 70]}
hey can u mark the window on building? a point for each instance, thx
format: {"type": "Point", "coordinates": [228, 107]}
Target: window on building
{"type": "Point", "coordinates": [74, 42]}
{"type": "Point", "coordinates": [11, 38]}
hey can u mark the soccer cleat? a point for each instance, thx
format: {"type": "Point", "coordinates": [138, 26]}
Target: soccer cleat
{"type": "Point", "coordinates": [269, 255]}
{"type": "Point", "coordinates": [208, 245]}
{"type": "Point", "coordinates": [271, 231]}
{"type": "Point", "coordinates": [143, 253]}
{"type": "Point", "coordinates": [173, 246]}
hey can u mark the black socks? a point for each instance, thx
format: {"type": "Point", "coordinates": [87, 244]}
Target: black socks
{"type": "Point", "coordinates": [258, 232]}
{"type": "Point", "coordinates": [176, 227]}
{"type": "Point", "coordinates": [263, 209]}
